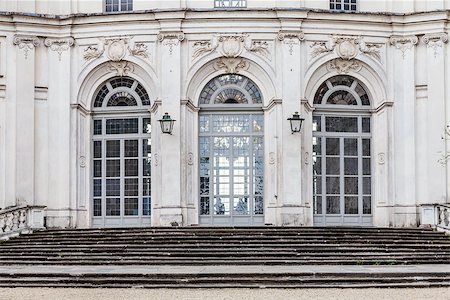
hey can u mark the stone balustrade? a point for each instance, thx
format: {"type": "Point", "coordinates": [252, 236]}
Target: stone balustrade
{"type": "Point", "coordinates": [436, 215]}
{"type": "Point", "coordinates": [20, 219]}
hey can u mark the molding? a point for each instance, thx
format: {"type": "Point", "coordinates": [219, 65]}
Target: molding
{"type": "Point", "coordinates": [403, 43]}
{"type": "Point", "coordinates": [59, 44]}
{"type": "Point", "coordinates": [306, 105]}
{"type": "Point", "coordinates": [26, 43]}
{"type": "Point", "coordinates": [81, 108]}
{"type": "Point", "coordinates": [40, 93]}
{"type": "Point", "coordinates": [188, 103]}
{"type": "Point", "coordinates": [383, 105]}
{"type": "Point", "coordinates": [156, 104]}
{"type": "Point", "coordinates": [272, 104]}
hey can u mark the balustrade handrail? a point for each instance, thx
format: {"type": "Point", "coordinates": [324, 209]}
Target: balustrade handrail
{"type": "Point", "coordinates": [20, 219]}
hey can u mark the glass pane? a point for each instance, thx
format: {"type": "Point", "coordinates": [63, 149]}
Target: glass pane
{"type": "Point", "coordinates": [122, 126]}
{"type": "Point", "coordinates": [366, 147]}
{"type": "Point", "coordinates": [351, 205]}
{"type": "Point", "coordinates": [203, 123]}
{"type": "Point", "coordinates": [258, 185]}
{"type": "Point", "coordinates": [97, 187]}
{"type": "Point", "coordinates": [367, 185]}
{"type": "Point", "coordinates": [332, 146]}
{"type": "Point", "coordinates": [241, 206]}
{"type": "Point", "coordinates": [333, 185]}
{"type": "Point", "coordinates": [97, 149]}
{"type": "Point", "coordinates": [341, 124]}
{"type": "Point", "coordinates": [97, 127]}
{"type": "Point", "coordinates": [318, 205]}
{"type": "Point", "coordinates": [204, 186]}
{"type": "Point", "coordinates": [317, 123]}
{"type": "Point", "coordinates": [317, 167]}
{"type": "Point", "coordinates": [317, 185]}
{"type": "Point", "coordinates": [131, 207]}
{"type": "Point", "coordinates": [97, 207]}
{"type": "Point", "coordinates": [350, 166]}
{"type": "Point", "coordinates": [367, 205]}
{"type": "Point", "coordinates": [146, 206]}
{"type": "Point", "coordinates": [333, 205]}
{"type": "Point", "coordinates": [258, 123]}
{"type": "Point", "coordinates": [221, 206]}
{"type": "Point", "coordinates": [146, 147]}
{"type": "Point", "coordinates": [146, 126]}
{"type": "Point", "coordinates": [131, 187]}
{"type": "Point", "coordinates": [333, 165]}
{"type": "Point", "coordinates": [366, 125]}
{"type": "Point", "coordinates": [317, 146]}
{"type": "Point", "coordinates": [146, 187]}
{"type": "Point", "coordinates": [204, 205]}
{"type": "Point", "coordinates": [351, 147]}
{"type": "Point", "coordinates": [113, 148]}
{"type": "Point", "coordinates": [113, 207]}
{"type": "Point", "coordinates": [131, 148]}
{"type": "Point", "coordinates": [259, 205]}
{"type": "Point", "coordinates": [131, 167]}
{"type": "Point", "coordinates": [147, 167]}
{"type": "Point", "coordinates": [351, 185]}
{"type": "Point", "coordinates": [97, 168]}
{"type": "Point", "coordinates": [112, 168]}
{"type": "Point", "coordinates": [366, 166]}
{"type": "Point", "coordinates": [112, 187]}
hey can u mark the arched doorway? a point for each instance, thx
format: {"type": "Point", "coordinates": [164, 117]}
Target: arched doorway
{"type": "Point", "coordinates": [121, 155]}
{"type": "Point", "coordinates": [231, 152]}
{"type": "Point", "coordinates": [342, 172]}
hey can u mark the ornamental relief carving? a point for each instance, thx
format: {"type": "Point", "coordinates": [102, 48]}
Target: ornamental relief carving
{"type": "Point", "coordinates": [403, 43]}
{"type": "Point", "coordinates": [231, 65]}
{"type": "Point", "coordinates": [291, 38]}
{"type": "Point", "coordinates": [435, 41]}
{"type": "Point", "coordinates": [231, 46]}
{"type": "Point", "coordinates": [115, 49]}
{"type": "Point", "coordinates": [171, 39]}
{"type": "Point", "coordinates": [59, 45]}
{"type": "Point", "coordinates": [346, 47]}
{"type": "Point", "coordinates": [26, 43]}
{"type": "Point", "coordinates": [342, 66]}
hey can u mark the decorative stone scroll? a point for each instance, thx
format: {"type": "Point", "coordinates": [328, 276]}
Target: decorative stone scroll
{"type": "Point", "coordinates": [343, 66]}
{"type": "Point", "coordinates": [404, 43]}
{"type": "Point", "coordinates": [231, 65]}
{"type": "Point", "coordinates": [26, 43]}
{"type": "Point", "coordinates": [139, 49]}
{"type": "Point", "coordinates": [115, 49]}
{"type": "Point", "coordinates": [435, 41]}
{"type": "Point", "coordinates": [171, 39]}
{"type": "Point", "coordinates": [59, 45]}
{"type": "Point", "coordinates": [291, 38]}
{"type": "Point", "coordinates": [121, 68]}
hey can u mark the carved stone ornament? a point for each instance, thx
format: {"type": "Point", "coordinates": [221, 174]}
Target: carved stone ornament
{"type": "Point", "coordinates": [290, 38]}
{"type": "Point", "coordinates": [346, 47]}
{"type": "Point", "coordinates": [231, 65]}
{"type": "Point", "coordinates": [26, 43]}
{"type": "Point", "coordinates": [306, 158]}
{"type": "Point", "coordinates": [171, 39]}
{"type": "Point", "coordinates": [343, 66]}
{"type": "Point", "coordinates": [116, 48]}
{"type": "Point", "coordinates": [59, 44]}
{"type": "Point", "coordinates": [231, 46]}
{"type": "Point", "coordinates": [92, 52]}
{"type": "Point", "coordinates": [156, 159]}
{"type": "Point", "coordinates": [404, 43]}
{"type": "Point", "coordinates": [259, 47]}
{"type": "Point", "coordinates": [190, 158]}
{"type": "Point", "coordinates": [272, 158]}
{"type": "Point", "coordinates": [203, 47]}
{"type": "Point", "coordinates": [381, 158]}
{"type": "Point", "coordinates": [82, 161]}
{"type": "Point", "coordinates": [139, 49]}
{"type": "Point", "coordinates": [121, 68]}
{"type": "Point", "coordinates": [435, 41]}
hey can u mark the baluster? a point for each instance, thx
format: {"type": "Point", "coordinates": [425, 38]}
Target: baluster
{"type": "Point", "coordinates": [9, 222]}
{"type": "Point", "coordinates": [15, 220]}
{"type": "Point", "coordinates": [445, 219]}
{"type": "Point", "coordinates": [2, 223]}
{"type": "Point", "coordinates": [23, 218]}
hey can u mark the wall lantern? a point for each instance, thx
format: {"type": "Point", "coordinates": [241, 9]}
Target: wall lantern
{"type": "Point", "coordinates": [296, 122]}
{"type": "Point", "coordinates": [166, 124]}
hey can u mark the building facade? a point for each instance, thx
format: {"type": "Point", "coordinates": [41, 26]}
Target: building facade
{"type": "Point", "coordinates": [83, 85]}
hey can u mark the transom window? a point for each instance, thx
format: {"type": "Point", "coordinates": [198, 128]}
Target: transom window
{"type": "Point", "coordinates": [342, 90]}
{"type": "Point", "coordinates": [343, 5]}
{"type": "Point", "coordinates": [231, 89]}
{"type": "Point", "coordinates": [118, 5]}
{"type": "Point", "coordinates": [121, 155]}
{"type": "Point", "coordinates": [230, 3]}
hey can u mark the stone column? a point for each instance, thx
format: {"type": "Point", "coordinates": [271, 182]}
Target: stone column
{"type": "Point", "coordinates": [290, 196]}
{"type": "Point", "coordinates": [403, 77]}
{"type": "Point", "coordinates": [170, 155]}
{"type": "Point", "coordinates": [59, 134]}
{"type": "Point", "coordinates": [25, 71]}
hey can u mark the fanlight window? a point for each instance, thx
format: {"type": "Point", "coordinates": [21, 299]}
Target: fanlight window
{"type": "Point", "coordinates": [121, 92]}
{"type": "Point", "coordinates": [342, 90]}
{"type": "Point", "coordinates": [231, 89]}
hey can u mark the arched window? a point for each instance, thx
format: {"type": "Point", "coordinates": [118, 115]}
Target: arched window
{"type": "Point", "coordinates": [121, 176]}
{"type": "Point", "coordinates": [231, 152]}
{"type": "Point", "coordinates": [342, 181]}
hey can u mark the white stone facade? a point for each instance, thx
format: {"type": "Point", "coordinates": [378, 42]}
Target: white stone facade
{"type": "Point", "coordinates": [52, 66]}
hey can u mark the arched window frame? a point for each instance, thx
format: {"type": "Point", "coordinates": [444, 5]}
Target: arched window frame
{"type": "Point", "coordinates": [243, 85]}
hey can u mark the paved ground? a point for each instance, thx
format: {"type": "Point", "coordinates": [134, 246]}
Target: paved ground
{"type": "Point", "coordinates": [168, 269]}
{"type": "Point", "coordinates": [224, 294]}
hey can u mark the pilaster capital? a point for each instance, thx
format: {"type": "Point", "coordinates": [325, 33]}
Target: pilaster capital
{"type": "Point", "coordinates": [26, 43]}
{"type": "Point", "coordinates": [59, 45]}
{"type": "Point", "coordinates": [171, 39]}
{"type": "Point", "coordinates": [290, 34]}
{"type": "Point", "coordinates": [403, 43]}
{"type": "Point", "coordinates": [435, 41]}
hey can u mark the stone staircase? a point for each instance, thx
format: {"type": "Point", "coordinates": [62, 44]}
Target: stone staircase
{"type": "Point", "coordinates": [220, 247]}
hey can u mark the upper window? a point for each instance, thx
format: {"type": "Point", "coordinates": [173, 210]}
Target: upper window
{"type": "Point", "coordinates": [118, 5]}
{"type": "Point", "coordinates": [343, 5]}
{"type": "Point", "coordinates": [230, 3]}
{"type": "Point", "coordinates": [121, 92]}
{"type": "Point", "coordinates": [342, 90]}
{"type": "Point", "coordinates": [230, 89]}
